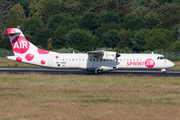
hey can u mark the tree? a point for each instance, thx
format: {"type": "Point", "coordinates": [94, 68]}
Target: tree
{"type": "Point", "coordinates": [12, 20]}
{"type": "Point", "coordinates": [20, 12]}
{"type": "Point", "coordinates": [153, 4]}
{"type": "Point", "coordinates": [141, 11]}
{"type": "Point", "coordinates": [125, 39]}
{"type": "Point", "coordinates": [59, 40]}
{"type": "Point", "coordinates": [110, 38]}
{"type": "Point", "coordinates": [79, 39]}
{"type": "Point", "coordinates": [133, 22]}
{"type": "Point", "coordinates": [169, 14]}
{"type": "Point", "coordinates": [25, 5]}
{"type": "Point", "coordinates": [89, 21]}
{"type": "Point", "coordinates": [63, 19]}
{"type": "Point", "coordinates": [152, 20]}
{"type": "Point", "coordinates": [108, 17]}
{"type": "Point", "coordinates": [75, 8]}
{"type": "Point", "coordinates": [36, 7]}
{"type": "Point", "coordinates": [104, 28]}
{"type": "Point", "coordinates": [176, 46]}
{"type": "Point", "coordinates": [121, 7]}
{"type": "Point", "coordinates": [5, 43]}
{"type": "Point", "coordinates": [139, 40]}
{"type": "Point", "coordinates": [156, 39]}
{"type": "Point", "coordinates": [51, 8]}
{"type": "Point", "coordinates": [31, 25]}
{"type": "Point", "coordinates": [42, 36]}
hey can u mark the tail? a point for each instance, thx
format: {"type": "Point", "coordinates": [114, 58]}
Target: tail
{"type": "Point", "coordinates": [22, 48]}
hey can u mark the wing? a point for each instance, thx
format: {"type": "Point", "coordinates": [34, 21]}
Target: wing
{"type": "Point", "coordinates": [103, 54]}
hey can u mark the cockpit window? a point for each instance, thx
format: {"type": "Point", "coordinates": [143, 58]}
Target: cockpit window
{"type": "Point", "coordinates": [161, 58]}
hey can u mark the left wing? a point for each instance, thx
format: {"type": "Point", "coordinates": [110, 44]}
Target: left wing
{"type": "Point", "coordinates": [103, 54]}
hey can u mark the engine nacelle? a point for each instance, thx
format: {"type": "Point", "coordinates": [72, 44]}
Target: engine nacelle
{"type": "Point", "coordinates": [106, 68]}
{"type": "Point", "coordinates": [109, 55]}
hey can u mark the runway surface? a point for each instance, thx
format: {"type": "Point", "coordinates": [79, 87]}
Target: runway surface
{"type": "Point", "coordinates": [19, 70]}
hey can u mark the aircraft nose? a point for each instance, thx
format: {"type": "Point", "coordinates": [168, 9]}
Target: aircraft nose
{"type": "Point", "coordinates": [171, 64]}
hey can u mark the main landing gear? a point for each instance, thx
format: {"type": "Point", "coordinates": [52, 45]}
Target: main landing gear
{"type": "Point", "coordinates": [97, 71]}
{"type": "Point", "coordinates": [163, 70]}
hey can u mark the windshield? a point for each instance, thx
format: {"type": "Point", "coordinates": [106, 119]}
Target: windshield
{"type": "Point", "coordinates": [161, 58]}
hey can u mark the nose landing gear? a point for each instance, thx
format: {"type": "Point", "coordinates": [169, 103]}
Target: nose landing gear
{"type": "Point", "coordinates": [163, 70]}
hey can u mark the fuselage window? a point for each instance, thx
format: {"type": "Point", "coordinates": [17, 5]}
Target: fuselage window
{"type": "Point", "coordinates": [127, 60]}
{"type": "Point", "coordinates": [107, 60]}
{"type": "Point", "coordinates": [103, 59]}
{"type": "Point", "coordinates": [137, 60]}
{"type": "Point", "coordinates": [79, 59]}
{"type": "Point", "coordinates": [90, 60]}
{"type": "Point", "coordinates": [66, 59]}
{"type": "Point", "coordinates": [130, 60]}
{"type": "Point", "coordinates": [72, 59]}
{"type": "Point", "coordinates": [63, 59]}
{"type": "Point", "coordinates": [121, 60]}
{"type": "Point", "coordinates": [83, 60]}
{"type": "Point", "coordinates": [96, 59]}
{"type": "Point", "coordinates": [110, 60]}
{"type": "Point", "coordinates": [69, 59]}
{"type": "Point", "coordinates": [76, 59]}
{"type": "Point", "coordinates": [134, 60]}
{"type": "Point", "coordinates": [100, 59]}
{"type": "Point", "coordinates": [93, 59]}
{"type": "Point", "coordinates": [124, 60]}
{"type": "Point", "coordinates": [164, 57]}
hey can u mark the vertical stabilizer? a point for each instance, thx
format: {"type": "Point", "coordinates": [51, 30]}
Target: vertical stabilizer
{"type": "Point", "coordinates": [20, 45]}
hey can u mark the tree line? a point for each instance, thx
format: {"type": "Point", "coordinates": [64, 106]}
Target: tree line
{"type": "Point", "coordinates": [87, 25]}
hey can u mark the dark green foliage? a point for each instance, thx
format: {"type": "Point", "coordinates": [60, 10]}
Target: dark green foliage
{"type": "Point", "coordinates": [157, 39]}
{"type": "Point", "coordinates": [109, 17]}
{"type": "Point", "coordinates": [51, 8]}
{"type": "Point", "coordinates": [169, 14]}
{"type": "Point", "coordinates": [79, 39]}
{"type": "Point", "coordinates": [139, 40]}
{"type": "Point", "coordinates": [89, 21]}
{"type": "Point", "coordinates": [25, 5]}
{"type": "Point", "coordinates": [31, 25]}
{"type": "Point", "coordinates": [110, 38]}
{"type": "Point", "coordinates": [125, 39]}
{"type": "Point", "coordinates": [152, 20]}
{"type": "Point", "coordinates": [133, 22]}
{"type": "Point", "coordinates": [104, 28]}
{"type": "Point", "coordinates": [16, 1]}
{"type": "Point", "coordinates": [12, 20]}
{"type": "Point", "coordinates": [75, 8]}
{"type": "Point", "coordinates": [98, 6]}
{"type": "Point", "coordinates": [176, 46]}
{"type": "Point", "coordinates": [42, 37]}
{"type": "Point", "coordinates": [5, 43]}
{"type": "Point", "coordinates": [59, 40]}
{"type": "Point", "coordinates": [63, 19]}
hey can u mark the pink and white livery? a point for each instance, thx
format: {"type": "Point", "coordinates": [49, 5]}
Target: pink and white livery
{"type": "Point", "coordinates": [96, 61]}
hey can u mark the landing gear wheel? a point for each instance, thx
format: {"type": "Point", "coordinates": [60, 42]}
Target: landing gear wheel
{"type": "Point", "coordinates": [163, 70]}
{"type": "Point", "coordinates": [99, 71]}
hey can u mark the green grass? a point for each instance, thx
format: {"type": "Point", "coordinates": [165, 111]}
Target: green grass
{"type": "Point", "coordinates": [39, 96]}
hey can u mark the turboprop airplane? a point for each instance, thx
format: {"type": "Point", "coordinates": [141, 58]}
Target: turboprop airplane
{"type": "Point", "coordinates": [96, 61]}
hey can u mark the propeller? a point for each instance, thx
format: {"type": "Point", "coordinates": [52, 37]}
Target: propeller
{"type": "Point", "coordinates": [118, 55]}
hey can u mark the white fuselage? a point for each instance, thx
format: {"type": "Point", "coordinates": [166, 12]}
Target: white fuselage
{"type": "Point", "coordinates": [83, 61]}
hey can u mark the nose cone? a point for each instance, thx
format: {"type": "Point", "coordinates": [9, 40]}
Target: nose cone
{"type": "Point", "coordinates": [171, 64]}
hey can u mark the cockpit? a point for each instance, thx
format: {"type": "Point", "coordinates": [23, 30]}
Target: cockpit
{"type": "Point", "coordinates": [161, 58]}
